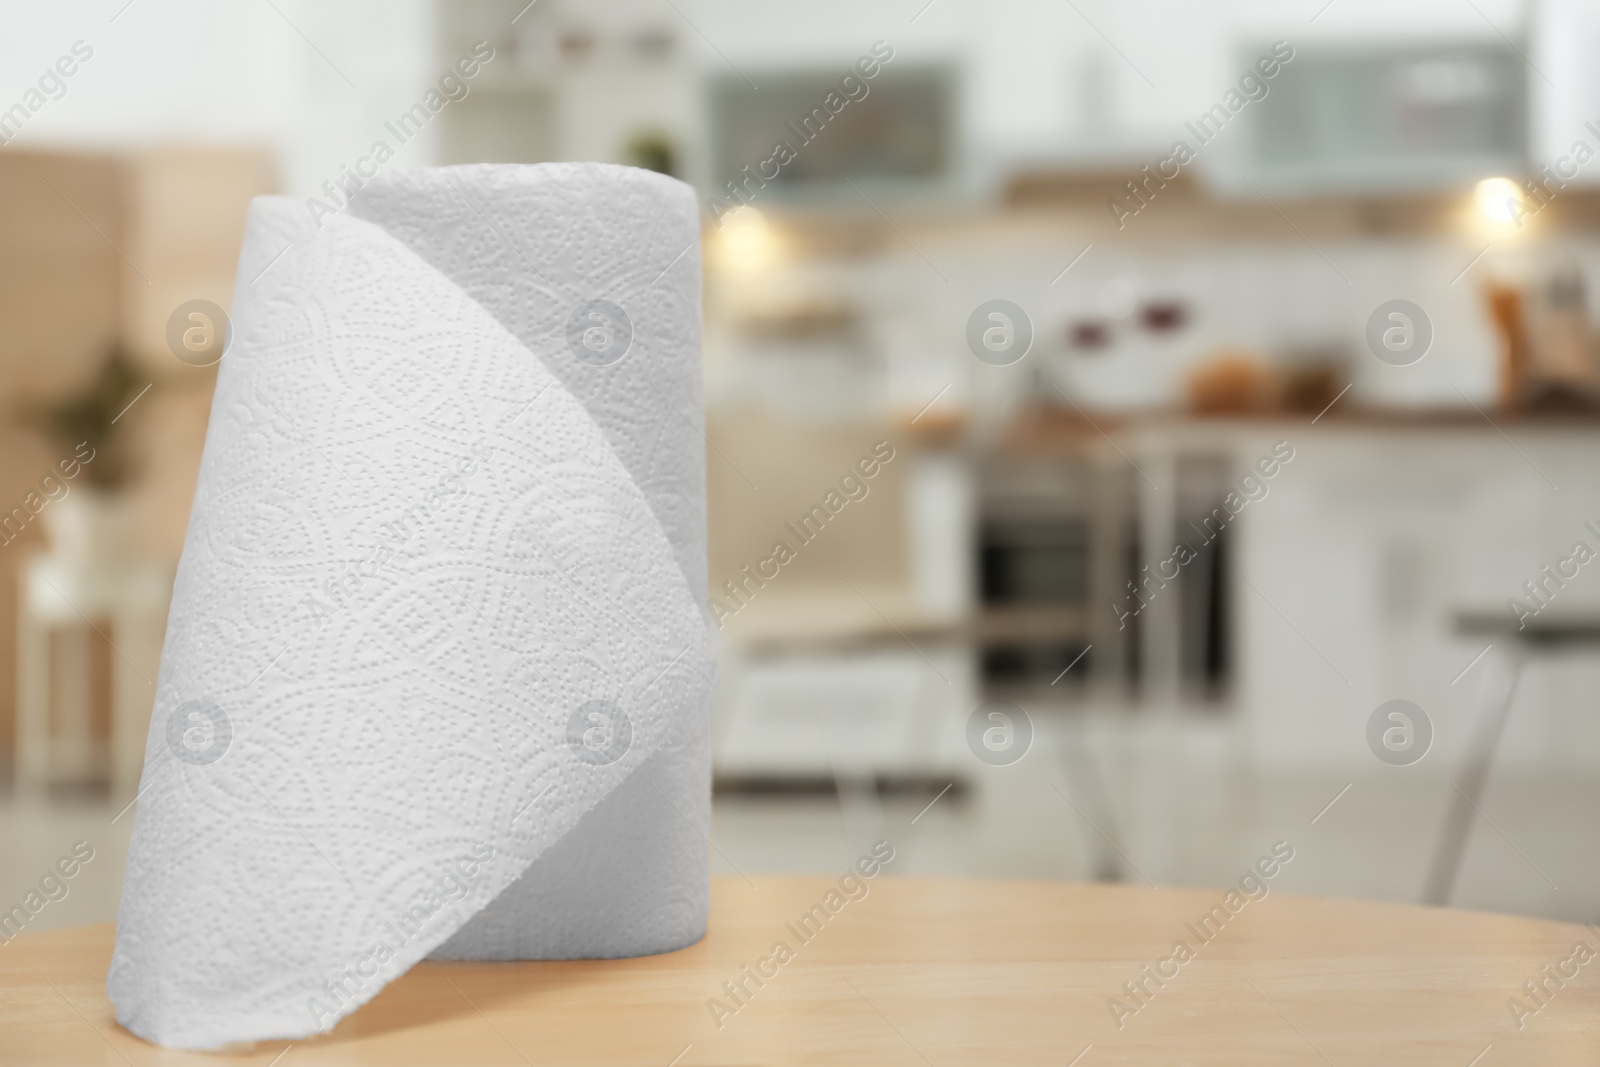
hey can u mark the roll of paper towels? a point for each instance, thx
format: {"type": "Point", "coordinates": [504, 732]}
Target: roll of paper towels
{"type": "Point", "coordinates": [437, 674]}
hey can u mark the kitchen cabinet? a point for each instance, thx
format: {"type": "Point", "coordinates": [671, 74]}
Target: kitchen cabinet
{"type": "Point", "coordinates": [1341, 575]}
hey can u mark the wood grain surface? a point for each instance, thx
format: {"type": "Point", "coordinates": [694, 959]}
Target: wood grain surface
{"type": "Point", "coordinates": [928, 972]}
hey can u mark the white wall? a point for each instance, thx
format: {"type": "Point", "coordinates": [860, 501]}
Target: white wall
{"type": "Point", "coordinates": [1567, 85]}
{"type": "Point", "coordinates": [188, 71]}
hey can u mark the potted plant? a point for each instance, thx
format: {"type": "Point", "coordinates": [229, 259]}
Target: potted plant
{"type": "Point", "coordinates": [84, 510]}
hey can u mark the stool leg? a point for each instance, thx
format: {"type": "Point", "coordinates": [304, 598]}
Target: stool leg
{"type": "Point", "coordinates": [132, 693]}
{"type": "Point", "coordinates": [33, 706]}
{"type": "Point", "coordinates": [73, 710]}
{"type": "Point", "coordinates": [1079, 764]}
{"type": "Point", "coordinates": [1500, 678]}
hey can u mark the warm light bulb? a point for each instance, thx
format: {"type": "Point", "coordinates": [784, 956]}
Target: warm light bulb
{"type": "Point", "coordinates": [747, 240]}
{"type": "Point", "coordinates": [1500, 200]}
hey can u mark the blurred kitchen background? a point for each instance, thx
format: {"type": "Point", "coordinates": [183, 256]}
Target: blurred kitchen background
{"type": "Point", "coordinates": [954, 661]}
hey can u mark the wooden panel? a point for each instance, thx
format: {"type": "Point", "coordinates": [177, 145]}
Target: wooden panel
{"type": "Point", "coordinates": [97, 248]}
{"type": "Point", "coordinates": [187, 212]}
{"type": "Point", "coordinates": [61, 277]}
{"type": "Point", "coordinates": [61, 306]}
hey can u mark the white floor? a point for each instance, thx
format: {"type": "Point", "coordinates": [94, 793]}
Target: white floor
{"type": "Point", "coordinates": [1183, 809]}
{"type": "Point", "coordinates": [1183, 812]}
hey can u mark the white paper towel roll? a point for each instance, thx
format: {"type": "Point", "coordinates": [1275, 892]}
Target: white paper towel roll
{"type": "Point", "coordinates": [437, 673]}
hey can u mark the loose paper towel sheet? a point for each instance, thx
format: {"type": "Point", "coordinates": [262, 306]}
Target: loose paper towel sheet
{"type": "Point", "coordinates": [437, 672]}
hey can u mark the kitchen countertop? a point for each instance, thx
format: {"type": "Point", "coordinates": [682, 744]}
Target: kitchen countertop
{"type": "Point", "coordinates": [1051, 426]}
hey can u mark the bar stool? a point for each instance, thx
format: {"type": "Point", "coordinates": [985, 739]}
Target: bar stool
{"type": "Point", "coordinates": [1514, 645]}
{"type": "Point", "coordinates": [126, 604]}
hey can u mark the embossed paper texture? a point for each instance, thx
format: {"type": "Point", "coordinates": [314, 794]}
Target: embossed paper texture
{"type": "Point", "coordinates": [437, 672]}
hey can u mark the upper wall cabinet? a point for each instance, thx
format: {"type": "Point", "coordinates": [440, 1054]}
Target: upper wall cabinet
{"type": "Point", "coordinates": [1368, 118]}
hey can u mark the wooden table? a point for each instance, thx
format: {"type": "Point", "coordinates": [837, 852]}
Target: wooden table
{"type": "Point", "coordinates": [923, 972]}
